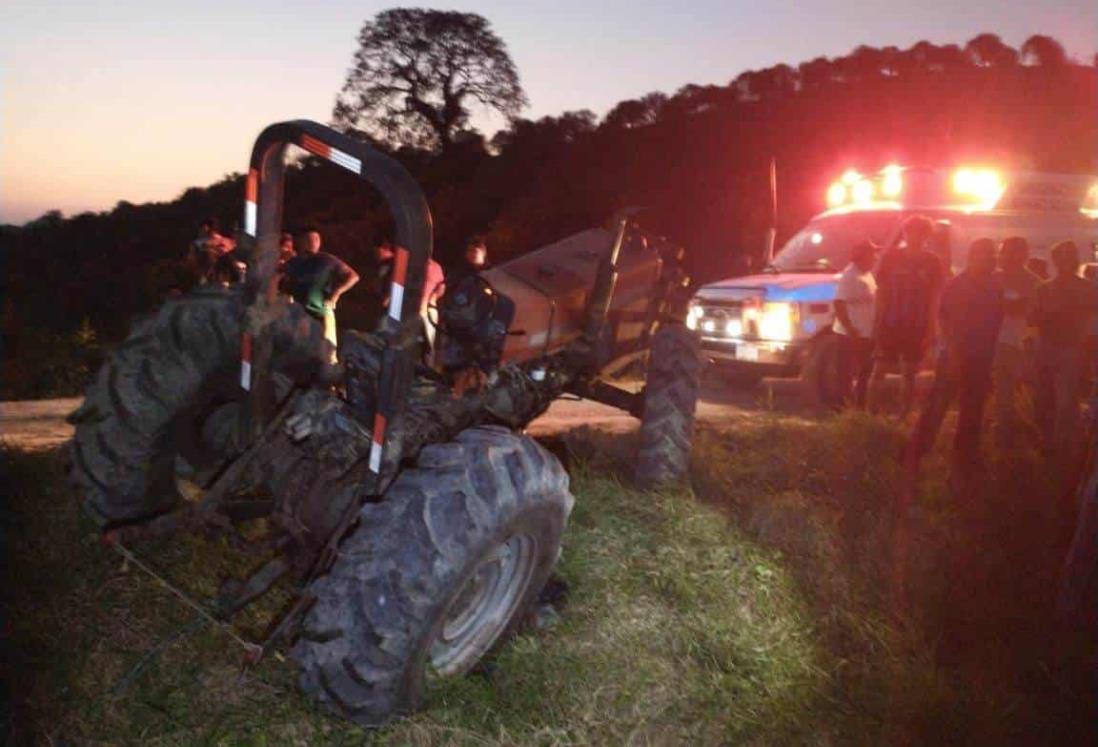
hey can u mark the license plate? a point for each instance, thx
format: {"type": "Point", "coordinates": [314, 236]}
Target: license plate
{"type": "Point", "coordinates": [746, 352]}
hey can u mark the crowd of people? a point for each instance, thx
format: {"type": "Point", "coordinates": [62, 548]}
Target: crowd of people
{"type": "Point", "coordinates": [996, 326]}
{"type": "Point", "coordinates": [317, 279]}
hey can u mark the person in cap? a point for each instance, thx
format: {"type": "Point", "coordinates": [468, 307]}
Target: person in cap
{"type": "Point", "coordinates": [853, 325]}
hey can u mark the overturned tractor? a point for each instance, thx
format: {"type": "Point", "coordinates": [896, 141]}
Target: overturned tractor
{"type": "Point", "coordinates": [412, 520]}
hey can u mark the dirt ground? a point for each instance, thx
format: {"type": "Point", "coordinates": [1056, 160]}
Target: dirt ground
{"type": "Point", "coordinates": [40, 424]}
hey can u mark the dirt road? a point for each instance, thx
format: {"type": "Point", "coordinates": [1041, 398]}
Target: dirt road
{"type": "Point", "coordinates": [40, 424]}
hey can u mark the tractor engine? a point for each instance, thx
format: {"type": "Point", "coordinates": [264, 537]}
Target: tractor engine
{"type": "Point", "coordinates": [475, 319]}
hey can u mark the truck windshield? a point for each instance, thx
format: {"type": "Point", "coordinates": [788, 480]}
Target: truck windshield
{"type": "Point", "coordinates": [824, 244]}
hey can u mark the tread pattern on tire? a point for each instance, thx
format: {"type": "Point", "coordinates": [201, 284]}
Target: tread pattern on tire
{"type": "Point", "coordinates": [122, 456]}
{"type": "Point", "coordinates": [670, 397]}
{"type": "Point", "coordinates": [362, 647]}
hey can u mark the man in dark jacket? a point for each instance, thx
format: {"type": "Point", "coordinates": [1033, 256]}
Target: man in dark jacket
{"type": "Point", "coordinates": [970, 315]}
{"type": "Point", "coordinates": [1063, 313]}
{"type": "Point", "coordinates": [909, 278]}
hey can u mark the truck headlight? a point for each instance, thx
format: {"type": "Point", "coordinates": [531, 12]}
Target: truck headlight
{"type": "Point", "coordinates": [777, 321]}
{"type": "Point", "coordinates": [693, 314]}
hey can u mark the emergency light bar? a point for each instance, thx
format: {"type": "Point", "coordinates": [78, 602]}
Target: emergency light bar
{"type": "Point", "coordinates": [978, 188]}
{"type": "Point", "coordinates": [855, 189]}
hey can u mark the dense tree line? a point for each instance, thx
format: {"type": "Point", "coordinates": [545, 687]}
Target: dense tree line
{"type": "Point", "coordinates": [698, 159]}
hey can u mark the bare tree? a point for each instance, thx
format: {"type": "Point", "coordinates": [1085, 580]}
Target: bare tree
{"type": "Point", "coordinates": [417, 72]}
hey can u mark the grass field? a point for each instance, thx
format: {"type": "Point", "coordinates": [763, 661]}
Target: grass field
{"type": "Point", "coordinates": [763, 606]}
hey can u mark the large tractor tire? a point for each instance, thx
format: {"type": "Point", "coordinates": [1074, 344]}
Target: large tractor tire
{"type": "Point", "coordinates": [434, 576]}
{"type": "Point", "coordinates": [166, 401]}
{"type": "Point", "coordinates": [670, 397]}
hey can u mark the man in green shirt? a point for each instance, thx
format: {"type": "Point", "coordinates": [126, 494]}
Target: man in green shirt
{"type": "Point", "coordinates": [316, 280]}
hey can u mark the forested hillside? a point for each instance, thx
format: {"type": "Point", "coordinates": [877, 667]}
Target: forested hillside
{"type": "Point", "coordinates": [697, 158]}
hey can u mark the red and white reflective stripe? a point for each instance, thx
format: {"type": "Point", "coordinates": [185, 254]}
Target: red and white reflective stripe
{"type": "Point", "coordinates": [246, 362]}
{"type": "Point", "coordinates": [334, 155]}
{"type": "Point", "coordinates": [377, 443]}
{"type": "Point", "coordinates": [400, 274]}
{"type": "Point", "coordinates": [251, 190]}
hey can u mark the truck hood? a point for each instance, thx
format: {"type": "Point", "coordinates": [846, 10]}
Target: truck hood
{"type": "Point", "coordinates": [804, 286]}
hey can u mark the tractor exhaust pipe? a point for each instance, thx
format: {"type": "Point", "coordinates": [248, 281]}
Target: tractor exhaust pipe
{"type": "Point", "coordinates": [598, 307]}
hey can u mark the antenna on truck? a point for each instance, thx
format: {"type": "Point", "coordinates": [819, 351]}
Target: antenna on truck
{"type": "Point", "coordinates": [772, 232]}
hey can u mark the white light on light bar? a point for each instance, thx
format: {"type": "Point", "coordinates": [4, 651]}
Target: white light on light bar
{"type": "Point", "coordinates": [836, 194]}
{"type": "Point", "coordinates": [984, 186]}
{"type": "Point", "coordinates": [862, 191]}
{"type": "Point", "coordinates": [892, 181]}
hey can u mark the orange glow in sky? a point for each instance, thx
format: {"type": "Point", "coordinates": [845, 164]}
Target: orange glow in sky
{"type": "Point", "coordinates": [101, 102]}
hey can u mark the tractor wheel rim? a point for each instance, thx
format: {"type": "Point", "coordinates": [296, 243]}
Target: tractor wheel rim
{"type": "Point", "coordinates": [481, 610]}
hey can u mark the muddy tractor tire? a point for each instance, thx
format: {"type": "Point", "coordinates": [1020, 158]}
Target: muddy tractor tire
{"type": "Point", "coordinates": [670, 397]}
{"type": "Point", "coordinates": [434, 576]}
{"type": "Point", "coordinates": [166, 400]}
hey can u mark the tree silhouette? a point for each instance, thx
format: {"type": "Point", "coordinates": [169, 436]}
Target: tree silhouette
{"type": "Point", "coordinates": [864, 62]}
{"type": "Point", "coordinates": [636, 112]}
{"type": "Point", "coordinates": [816, 73]}
{"type": "Point", "coordinates": [988, 50]}
{"type": "Point", "coordinates": [1044, 51]}
{"type": "Point", "coordinates": [417, 71]}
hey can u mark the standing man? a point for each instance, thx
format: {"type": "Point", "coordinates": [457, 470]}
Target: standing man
{"type": "Point", "coordinates": [434, 285]}
{"type": "Point", "coordinates": [476, 255]}
{"type": "Point", "coordinates": [474, 260]}
{"type": "Point", "coordinates": [1019, 291]}
{"type": "Point", "coordinates": [854, 325]}
{"type": "Point", "coordinates": [909, 280]}
{"type": "Point", "coordinates": [971, 315]}
{"type": "Point", "coordinates": [285, 249]}
{"type": "Point", "coordinates": [317, 279]}
{"type": "Point", "coordinates": [1063, 313]}
{"type": "Point", "coordinates": [205, 251]}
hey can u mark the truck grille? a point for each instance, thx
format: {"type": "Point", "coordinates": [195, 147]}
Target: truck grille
{"type": "Point", "coordinates": [725, 321]}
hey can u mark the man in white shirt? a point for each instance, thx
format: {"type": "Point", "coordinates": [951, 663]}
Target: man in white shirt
{"type": "Point", "coordinates": [853, 325]}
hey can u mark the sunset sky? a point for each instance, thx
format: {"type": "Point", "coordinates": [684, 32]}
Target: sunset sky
{"type": "Point", "coordinates": [101, 102]}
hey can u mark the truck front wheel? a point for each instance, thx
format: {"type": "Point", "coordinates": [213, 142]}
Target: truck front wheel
{"type": "Point", "coordinates": [820, 377]}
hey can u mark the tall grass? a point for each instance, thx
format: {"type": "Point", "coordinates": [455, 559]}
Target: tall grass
{"type": "Point", "coordinates": [762, 605]}
{"type": "Point", "coordinates": [941, 608]}
{"type": "Point", "coordinates": [676, 630]}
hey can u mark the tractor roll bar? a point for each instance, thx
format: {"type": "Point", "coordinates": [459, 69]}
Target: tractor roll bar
{"type": "Point", "coordinates": [263, 199]}
{"type": "Point", "coordinates": [399, 328]}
